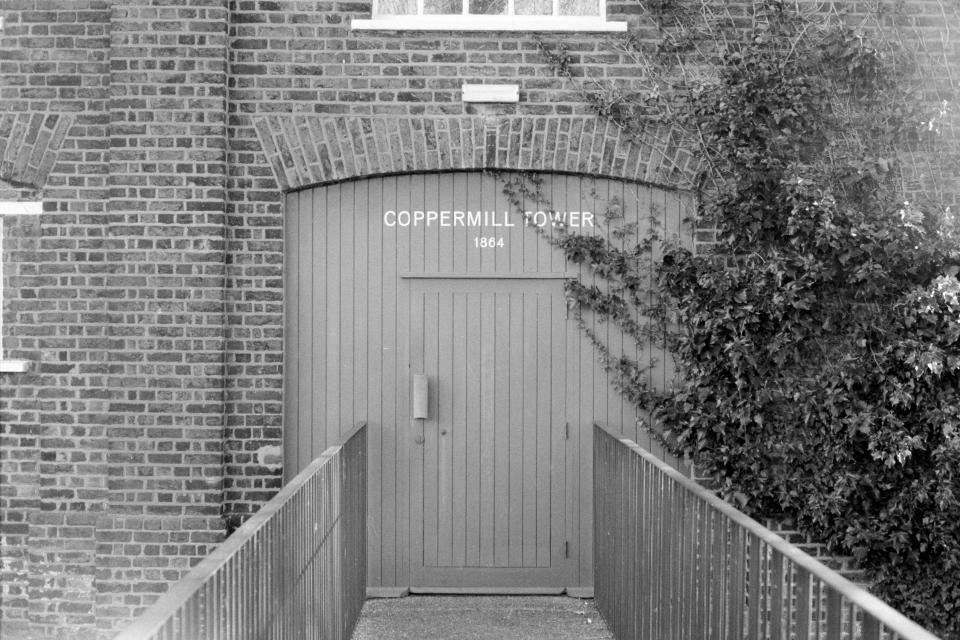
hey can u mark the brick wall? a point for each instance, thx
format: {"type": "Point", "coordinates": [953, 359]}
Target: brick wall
{"type": "Point", "coordinates": [161, 135]}
{"type": "Point", "coordinates": [112, 443]}
{"type": "Point", "coordinates": [53, 67]}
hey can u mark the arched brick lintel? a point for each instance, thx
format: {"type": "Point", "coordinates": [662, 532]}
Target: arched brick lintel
{"type": "Point", "coordinates": [306, 150]}
{"type": "Point", "coordinates": [29, 143]}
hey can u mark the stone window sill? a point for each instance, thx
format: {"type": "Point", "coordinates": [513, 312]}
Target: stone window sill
{"type": "Point", "coordinates": [14, 366]}
{"type": "Point", "coordinates": [488, 23]}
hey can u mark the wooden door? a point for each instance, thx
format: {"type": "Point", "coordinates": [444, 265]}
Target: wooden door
{"type": "Point", "coordinates": [488, 466]}
{"type": "Point", "coordinates": [353, 271]}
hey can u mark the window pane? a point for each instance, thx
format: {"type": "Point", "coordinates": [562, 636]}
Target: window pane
{"type": "Point", "coordinates": [443, 6]}
{"type": "Point", "coordinates": [579, 8]}
{"type": "Point", "coordinates": [395, 7]}
{"type": "Point", "coordinates": [488, 7]}
{"type": "Point", "coordinates": [533, 7]}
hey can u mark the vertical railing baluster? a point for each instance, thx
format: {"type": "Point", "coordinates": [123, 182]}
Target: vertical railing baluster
{"type": "Point", "coordinates": [236, 589]}
{"type": "Point", "coordinates": [203, 633]}
{"type": "Point", "coordinates": [330, 570]}
{"type": "Point", "coordinates": [634, 520]}
{"type": "Point", "coordinates": [817, 588]}
{"type": "Point", "coordinates": [660, 536]}
{"type": "Point", "coordinates": [790, 608]}
{"type": "Point", "coordinates": [702, 613]}
{"type": "Point", "coordinates": [186, 617]}
{"type": "Point", "coordinates": [834, 615]}
{"type": "Point", "coordinates": [609, 530]}
{"type": "Point", "coordinates": [670, 554]}
{"type": "Point", "coordinates": [599, 591]}
{"type": "Point", "coordinates": [336, 567]}
{"type": "Point", "coordinates": [737, 580]}
{"type": "Point", "coordinates": [226, 604]}
{"type": "Point", "coordinates": [199, 601]}
{"type": "Point", "coordinates": [628, 477]}
{"type": "Point", "coordinates": [717, 593]}
{"type": "Point", "coordinates": [680, 558]}
{"type": "Point", "coordinates": [599, 564]}
{"type": "Point", "coordinates": [753, 596]}
{"type": "Point", "coordinates": [332, 510]}
{"type": "Point", "coordinates": [613, 535]}
{"type": "Point", "coordinates": [601, 570]}
{"type": "Point", "coordinates": [776, 597]}
{"type": "Point", "coordinates": [690, 564]}
{"type": "Point", "coordinates": [312, 544]}
{"type": "Point", "coordinates": [629, 573]}
{"type": "Point", "coordinates": [215, 607]}
{"type": "Point", "coordinates": [228, 600]}
{"type": "Point", "coordinates": [871, 627]}
{"type": "Point", "coordinates": [302, 515]}
{"type": "Point", "coordinates": [240, 586]}
{"type": "Point", "coordinates": [617, 519]}
{"type": "Point", "coordinates": [266, 582]}
{"type": "Point", "coordinates": [655, 515]}
{"type": "Point", "coordinates": [249, 601]}
{"type": "Point", "coordinates": [649, 557]}
{"type": "Point", "coordinates": [258, 582]}
{"type": "Point", "coordinates": [281, 555]}
{"type": "Point", "coordinates": [325, 517]}
{"type": "Point", "coordinates": [803, 603]}
{"type": "Point", "coordinates": [631, 520]}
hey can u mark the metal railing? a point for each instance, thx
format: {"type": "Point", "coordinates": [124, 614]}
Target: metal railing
{"type": "Point", "coordinates": [674, 561]}
{"type": "Point", "coordinates": [296, 569]}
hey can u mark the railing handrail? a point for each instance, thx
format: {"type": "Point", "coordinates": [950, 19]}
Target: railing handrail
{"type": "Point", "coordinates": [151, 621]}
{"type": "Point", "coordinates": [884, 613]}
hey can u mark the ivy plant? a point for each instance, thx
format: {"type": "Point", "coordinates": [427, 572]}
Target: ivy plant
{"type": "Point", "coordinates": [818, 341]}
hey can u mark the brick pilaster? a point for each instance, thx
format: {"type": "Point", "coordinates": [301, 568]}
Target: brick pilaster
{"type": "Point", "coordinates": [165, 297]}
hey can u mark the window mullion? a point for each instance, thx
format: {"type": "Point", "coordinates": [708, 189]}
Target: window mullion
{"type": "Point", "coordinates": [419, 7]}
{"type": "Point", "coordinates": [556, 8]}
{"type": "Point", "coordinates": [510, 7]}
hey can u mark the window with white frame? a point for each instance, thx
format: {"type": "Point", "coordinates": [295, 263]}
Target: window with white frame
{"type": "Point", "coordinates": [10, 208]}
{"type": "Point", "coordinates": [490, 15]}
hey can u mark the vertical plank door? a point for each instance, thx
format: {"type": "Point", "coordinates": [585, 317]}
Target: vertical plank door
{"type": "Point", "coordinates": [488, 466]}
{"type": "Point", "coordinates": [485, 502]}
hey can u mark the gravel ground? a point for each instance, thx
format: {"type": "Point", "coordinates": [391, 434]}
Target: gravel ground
{"type": "Point", "coordinates": [481, 618]}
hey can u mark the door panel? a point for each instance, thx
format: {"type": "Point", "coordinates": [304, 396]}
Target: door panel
{"type": "Point", "coordinates": [488, 466]}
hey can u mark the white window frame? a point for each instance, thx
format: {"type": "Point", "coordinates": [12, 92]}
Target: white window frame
{"type": "Point", "coordinates": [12, 208]}
{"type": "Point", "coordinates": [477, 22]}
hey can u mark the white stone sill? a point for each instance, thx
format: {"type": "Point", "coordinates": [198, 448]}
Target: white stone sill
{"type": "Point", "coordinates": [488, 23]}
{"type": "Point", "coordinates": [14, 366]}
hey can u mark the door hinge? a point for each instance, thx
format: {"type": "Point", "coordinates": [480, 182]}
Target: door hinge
{"type": "Point", "coordinates": [566, 549]}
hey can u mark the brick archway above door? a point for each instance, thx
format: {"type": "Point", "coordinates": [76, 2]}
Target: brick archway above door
{"type": "Point", "coordinates": [306, 150]}
{"type": "Point", "coordinates": [29, 144]}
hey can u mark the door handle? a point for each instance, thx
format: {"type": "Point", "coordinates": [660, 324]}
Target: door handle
{"type": "Point", "coordinates": [420, 405]}
{"type": "Point", "coordinates": [421, 397]}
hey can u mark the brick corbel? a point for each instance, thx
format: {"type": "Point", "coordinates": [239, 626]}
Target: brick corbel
{"type": "Point", "coordinates": [305, 150]}
{"type": "Point", "coordinates": [29, 143]}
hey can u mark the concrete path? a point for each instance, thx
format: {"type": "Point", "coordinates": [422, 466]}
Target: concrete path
{"type": "Point", "coordinates": [481, 618]}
